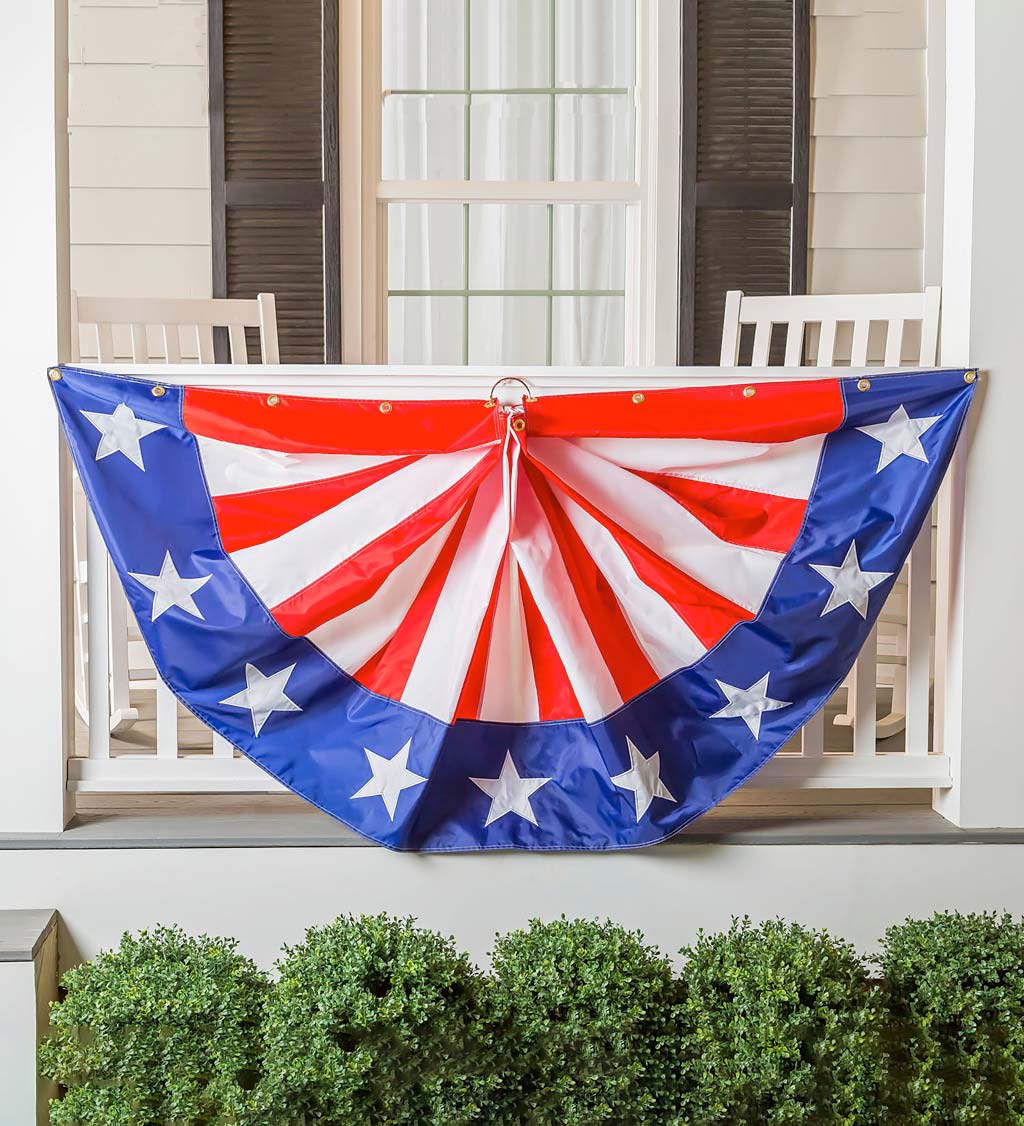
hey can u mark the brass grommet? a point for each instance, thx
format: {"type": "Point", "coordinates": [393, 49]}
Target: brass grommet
{"type": "Point", "coordinates": [489, 403]}
{"type": "Point", "coordinates": [54, 374]}
{"type": "Point", "coordinates": [863, 384]}
{"type": "Point", "coordinates": [385, 408]}
{"type": "Point", "coordinates": [638, 396]}
{"type": "Point", "coordinates": [159, 391]}
{"type": "Point", "coordinates": [970, 376]}
{"type": "Point", "coordinates": [519, 424]}
{"type": "Point", "coordinates": [273, 400]}
{"type": "Point", "coordinates": [749, 392]}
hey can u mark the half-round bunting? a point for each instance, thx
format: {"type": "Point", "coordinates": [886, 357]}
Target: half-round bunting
{"type": "Point", "coordinates": [578, 622]}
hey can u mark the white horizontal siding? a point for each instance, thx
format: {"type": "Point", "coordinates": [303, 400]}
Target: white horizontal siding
{"type": "Point", "coordinates": [141, 216]}
{"type": "Point", "coordinates": [105, 156]}
{"type": "Point", "coordinates": [868, 135]}
{"type": "Point", "coordinates": [139, 148]}
{"type": "Point", "coordinates": [163, 34]}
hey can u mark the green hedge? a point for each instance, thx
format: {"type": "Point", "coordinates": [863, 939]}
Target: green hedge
{"type": "Point", "coordinates": [375, 1020]}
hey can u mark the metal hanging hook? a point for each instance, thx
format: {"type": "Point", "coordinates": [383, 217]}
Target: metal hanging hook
{"type": "Point", "coordinates": [491, 401]}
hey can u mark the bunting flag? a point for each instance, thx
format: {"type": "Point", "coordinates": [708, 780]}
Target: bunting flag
{"type": "Point", "coordinates": [577, 622]}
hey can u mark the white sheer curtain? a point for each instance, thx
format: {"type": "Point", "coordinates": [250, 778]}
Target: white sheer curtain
{"type": "Point", "coordinates": [487, 282]}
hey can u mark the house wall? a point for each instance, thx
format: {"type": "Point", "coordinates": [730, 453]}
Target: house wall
{"type": "Point", "coordinates": [140, 171]}
{"type": "Point", "coordinates": [268, 896]}
{"type": "Point", "coordinates": [139, 149]}
{"type": "Point", "coordinates": [868, 135]}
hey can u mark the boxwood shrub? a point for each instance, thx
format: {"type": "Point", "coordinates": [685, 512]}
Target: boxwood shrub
{"type": "Point", "coordinates": [587, 1010]}
{"type": "Point", "coordinates": [374, 1020]}
{"type": "Point", "coordinates": [779, 1024]}
{"type": "Point", "coordinates": [954, 986]}
{"type": "Point", "coordinates": [162, 1030]}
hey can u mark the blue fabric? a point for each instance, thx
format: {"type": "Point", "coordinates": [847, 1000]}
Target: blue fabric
{"type": "Point", "coordinates": [319, 752]}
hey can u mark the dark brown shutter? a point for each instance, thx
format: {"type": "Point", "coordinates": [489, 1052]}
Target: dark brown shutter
{"type": "Point", "coordinates": [746, 110]}
{"type": "Point", "coordinates": [274, 156]}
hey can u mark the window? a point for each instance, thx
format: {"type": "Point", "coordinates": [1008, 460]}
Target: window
{"type": "Point", "coordinates": [528, 90]}
{"type": "Point", "coordinates": [514, 215]}
{"type": "Point", "coordinates": [508, 181]}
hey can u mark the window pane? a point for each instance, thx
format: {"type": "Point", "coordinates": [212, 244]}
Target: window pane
{"type": "Point", "coordinates": [423, 137]}
{"type": "Point", "coordinates": [425, 246]}
{"type": "Point", "coordinates": [423, 44]}
{"type": "Point", "coordinates": [594, 137]}
{"type": "Point", "coordinates": [590, 246]}
{"type": "Point", "coordinates": [508, 246]}
{"type": "Point", "coordinates": [595, 42]}
{"type": "Point", "coordinates": [508, 330]}
{"type": "Point", "coordinates": [425, 330]}
{"type": "Point", "coordinates": [588, 330]}
{"type": "Point", "coordinates": [510, 137]}
{"type": "Point", "coordinates": [510, 44]}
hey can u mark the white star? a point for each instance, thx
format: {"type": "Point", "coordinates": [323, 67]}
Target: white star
{"type": "Point", "coordinates": [643, 778]}
{"type": "Point", "coordinates": [170, 589]}
{"type": "Point", "coordinates": [390, 777]}
{"type": "Point", "coordinates": [900, 435]}
{"type": "Point", "coordinates": [748, 704]}
{"type": "Point", "coordinates": [850, 585]}
{"type": "Point", "coordinates": [122, 432]}
{"type": "Point", "coordinates": [509, 793]}
{"type": "Point", "coordinates": [263, 695]}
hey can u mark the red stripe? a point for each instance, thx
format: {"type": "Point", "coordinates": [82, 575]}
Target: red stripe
{"type": "Point", "coordinates": [473, 686]}
{"type": "Point", "coordinates": [388, 672]}
{"type": "Point", "coordinates": [741, 516]}
{"type": "Point", "coordinates": [777, 412]}
{"type": "Point", "coordinates": [626, 660]}
{"type": "Point", "coordinates": [301, 424]}
{"type": "Point", "coordinates": [359, 577]}
{"type": "Point", "coordinates": [710, 615]}
{"type": "Point", "coordinates": [555, 696]}
{"type": "Point", "coordinates": [246, 519]}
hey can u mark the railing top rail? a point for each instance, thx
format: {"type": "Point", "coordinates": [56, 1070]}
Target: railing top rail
{"type": "Point", "coordinates": [406, 381]}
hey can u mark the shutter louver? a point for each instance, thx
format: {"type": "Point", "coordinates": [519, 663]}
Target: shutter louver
{"type": "Point", "coordinates": [745, 126]}
{"type": "Point", "coordinates": [275, 225]}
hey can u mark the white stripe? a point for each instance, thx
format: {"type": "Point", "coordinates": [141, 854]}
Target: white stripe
{"type": "Point", "coordinates": [243, 469]}
{"type": "Point", "coordinates": [541, 562]}
{"type": "Point", "coordinates": [352, 638]}
{"type": "Point", "coordinates": [439, 671]}
{"type": "Point", "coordinates": [783, 469]}
{"type": "Point", "coordinates": [510, 692]}
{"type": "Point", "coordinates": [741, 574]}
{"type": "Point", "coordinates": [283, 566]}
{"type": "Point", "coordinates": [667, 640]}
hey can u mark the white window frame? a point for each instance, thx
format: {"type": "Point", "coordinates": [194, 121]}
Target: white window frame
{"type": "Point", "coordinates": [652, 197]}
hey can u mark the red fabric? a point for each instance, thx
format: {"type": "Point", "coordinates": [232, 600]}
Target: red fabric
{"type": "Point", "coordinates": [777, 412]}
{"type": "Point", "coordinates": [301, 424]}
{"type": "Point", "coordinates": [246, 519]}
{"type": "Point", "coordinates": [357, 578]}
{"type": "Point", "coordinates": [740, 516]}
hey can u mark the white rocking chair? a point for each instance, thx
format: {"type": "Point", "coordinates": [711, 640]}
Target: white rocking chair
{"type": "Point", "coordinates": [150, 330]}
{"type": "Point", "coordinates": [828, 311]}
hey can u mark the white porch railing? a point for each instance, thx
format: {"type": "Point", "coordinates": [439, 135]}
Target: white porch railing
{"type": "Point", "coordinates": [876, 733]}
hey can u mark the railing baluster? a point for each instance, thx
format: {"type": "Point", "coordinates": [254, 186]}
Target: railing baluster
{"type": "Point", "coordinates": [864, 697]}
{"type": "Point", "coordinates": [166, 721]}
{"type": "Point", "coordinates": [99, 641]}
{"type": "Point", "coordinates": [919, 636]}
{"type": "Point", "coordinates": [812, 737]}
{"type": "Point", "coordinates": [221, 747]}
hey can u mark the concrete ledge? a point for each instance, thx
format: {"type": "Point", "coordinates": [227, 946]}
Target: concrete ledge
{"type": "Point", "coordinates": [22, 933]}
{"type": "Point", "coordinates": [867, 825]}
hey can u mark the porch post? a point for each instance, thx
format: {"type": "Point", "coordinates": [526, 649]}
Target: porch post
{"type": "Point", "coordinates": [982, 697]}
{"type": "Point", "coordinates": [34, 308]}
